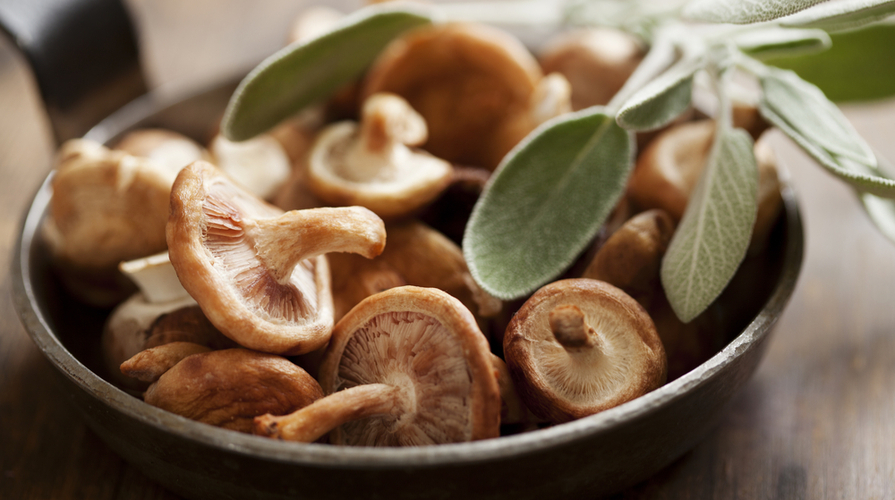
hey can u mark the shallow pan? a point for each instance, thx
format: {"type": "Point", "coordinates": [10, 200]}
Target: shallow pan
{"type": "Point", "coordinates": [594, 456]}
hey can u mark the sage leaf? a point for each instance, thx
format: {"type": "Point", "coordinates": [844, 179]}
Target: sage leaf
{"type": "Point", "coordinates": [546, 201]}
{"type": "Point", "coordinates": [303, 73]}
{"type": "Point", "coordinates": [802, 112]}
{"type": "Point", "coordinates": [881, 212]}
{"type": "Point", "coordinates": [775, 41]}
{"type": "Point", "coordinates": [743, 11]}
{"type": "Point", "coordinates": [712, 238]}
{"type": "Point", "coordinates": [842, 15]}
{"type": "Point", "coordinates": [850, 70]}
{"type": "Point", "coordinates": [661, 100]}
{"type": "Point", "coordinates": [808, 111]}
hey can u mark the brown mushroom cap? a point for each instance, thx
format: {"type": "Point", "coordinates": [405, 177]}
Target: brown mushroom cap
{"type": "Point", "coordinates": [630, 259]}
{"type": "Point", "coordinates": [667, 171]}
{"type": "Point", "coordinates": [596, 61]}
{"type": "Point", "coordinates": [406, 367]}
{"type": "Point", "coordinates": [472, 83]}
{"type": "Point", "coordinates": [580, 346]}
{"type": "Point", "coordinates": [372, 165]}
{"type": "Point", "coordinates": [229, 388]}
{"type": "Point", "coordinates": [259, 274]}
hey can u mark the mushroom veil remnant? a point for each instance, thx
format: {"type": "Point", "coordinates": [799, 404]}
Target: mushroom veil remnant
{"type": "Point", "coordinates": [581, 346]}
{"type": "Point", "coordinates": [260, 275]}
{"type": "Point", "coordinates": [406, 367]}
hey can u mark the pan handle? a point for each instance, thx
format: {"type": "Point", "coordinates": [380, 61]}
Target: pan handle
{"type": "Point", "coordinates": [84, 56]}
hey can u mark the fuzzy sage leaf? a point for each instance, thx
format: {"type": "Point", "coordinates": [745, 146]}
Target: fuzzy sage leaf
{"type": "Point", "coordinates": [743, 11]}
{"type": "Point", "coordinates": [661, 100]}
{"type": "Point", "coordinates": [842, 15]}
{"type": "Point", "coordinates": [776, 41]}
{"type": "Point", "coordinates": [804, 114]}
{"type": "Point", "coordinates": [546, 201]}
{"type": "Point", "coordinates": [712, 238]}
{"type": "Point", "coordinates": [304, 73]}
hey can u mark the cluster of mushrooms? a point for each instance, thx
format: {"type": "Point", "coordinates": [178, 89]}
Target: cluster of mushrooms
{"type": "Point", "coordinates": [309, 285]}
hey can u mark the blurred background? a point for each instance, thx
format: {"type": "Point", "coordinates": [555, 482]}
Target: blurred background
{"type": "Point", "coordinates": [815, 422]}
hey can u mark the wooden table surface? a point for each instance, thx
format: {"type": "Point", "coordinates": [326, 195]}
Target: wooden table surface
{"type": "Point", "coordinates": [817, 420]}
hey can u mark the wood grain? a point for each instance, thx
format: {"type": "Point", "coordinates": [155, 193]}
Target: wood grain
{"type": "Point", "coordinates": [816, 421]}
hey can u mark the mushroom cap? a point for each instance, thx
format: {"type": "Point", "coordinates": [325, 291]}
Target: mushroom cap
{"type": "Point", "coordinates": [596, 61]}
{"type": "Point", "coordinates": [107, 206]}
{"type": "Point", "coordinates": [631, 257]}
{"type": "Point", "coordinates": [229, 388]}
{"type": "Point", "coordinates": [218, 265]}
{"type": "Point", "coordinates": [667, 171]}
{"type": "Point", "coordinates": [427, 344]}
{"type": "Point", "coordinates": [260, 164]}
{"type": "Point", "coordinates": [169, 149]}
{"type": "Point", "coordinates": [391, 192]}
{"type": "Point", "coordinates": [559, 383]}
{"type": "Point", "coordinates": [472, 84]}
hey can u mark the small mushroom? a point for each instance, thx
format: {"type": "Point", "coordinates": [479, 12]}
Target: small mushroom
{"type": "Point", "coordinates": [226, 388]}
{"type": "Point", "coordinates": [107, 207]}
{"type": "Point", "coordinates": [260, 274]}
{"type": "Point", "coordinates": [667, 171]}
{"type": "Point", "coordinates": [373, 165]}
{"type": "Point", "coordinates": [260, 164]}
{"type": "Point", "coordinates": [630, 258]}
{"type": "Point", "coordinates": [596, 62]}
{"type": "Point", "coordinates": [406, 367]}
{"type": "Point", "coordinates": [165, 147]}
{"type": "Point", "coordinates": [472, 83]}
{"type": "Point", "coordinates": [580, 346]}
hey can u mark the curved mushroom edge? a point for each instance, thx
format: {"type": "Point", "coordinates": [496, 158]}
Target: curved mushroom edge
{"type": "Point", "coordinates": [526, 368]}
{"type": "Point", "coordinates": [216, 296]}
{"type": "Point", "coordinates": [448, 311]}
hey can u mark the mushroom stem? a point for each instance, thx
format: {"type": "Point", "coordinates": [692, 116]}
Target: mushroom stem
{"type": "Point", "coordinates": [568, 325]}
{"type": "Point", "coordinates": [388, 120]}
{"type": "Point", "coordinates": [282, 242]}
{"type": "Point", "coordinates": [313, 421]}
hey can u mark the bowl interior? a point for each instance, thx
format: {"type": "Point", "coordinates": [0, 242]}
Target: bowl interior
{"type": "Point", "coordinates": [69, 332]}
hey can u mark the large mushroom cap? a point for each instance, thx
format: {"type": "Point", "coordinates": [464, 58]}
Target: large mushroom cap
{"type": "Point", "coordinates": [581, 346]}
{"type": "Point", "coordinates": [472, 83]}
{"type": "Point", "coordinates": [259, 274]}
{"type": "Point", "coordinates": [427, 345]}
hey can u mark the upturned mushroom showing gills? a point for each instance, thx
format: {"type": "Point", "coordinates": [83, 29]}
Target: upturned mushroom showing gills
{"type": "Point", "coordinates": [373, 165]}
{"type": "Point", "coordinates": [406, 367]}
{"type": "Point", "coordinates": [581, 346]}
{"type": "Point", "coordinates": [260, 275]}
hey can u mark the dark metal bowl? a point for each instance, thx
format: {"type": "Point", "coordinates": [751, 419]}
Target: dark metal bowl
{"type": "Point", "coordinates": [597, 455]}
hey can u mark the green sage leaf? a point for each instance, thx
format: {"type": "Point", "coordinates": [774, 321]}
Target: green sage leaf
{"type": "Point", "coordinates": [661, 100]}
{"type": "Point", "coordinates": [775, 42]}
{"type": "Point", "coordinates": [842, 15]}
{"type": "Point", "coordinates": [802, 112]}
{"type": "Point", "coordinates": [546, 201]}
{"type": "Point", "coordinates": [712, 238]}
{"type": "Point", "coordinates": [743, 11]}
{"type": "Point", "coordinates": [304, 73]}
{"type": "Point", "coordinates": [851, 69]}
{"type": "Point", "coordinates": [808, 111]}
{"type": "Point", "coordinates": [881, 212]}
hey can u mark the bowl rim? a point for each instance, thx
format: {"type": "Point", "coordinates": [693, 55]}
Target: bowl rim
{"type": "Point", "coordinates": [322, 455]}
